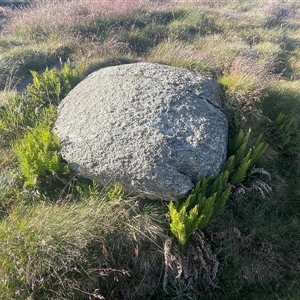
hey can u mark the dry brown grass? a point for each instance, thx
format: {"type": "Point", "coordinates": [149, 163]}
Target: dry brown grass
{"type": "Point", "coordinates": [68, 16]}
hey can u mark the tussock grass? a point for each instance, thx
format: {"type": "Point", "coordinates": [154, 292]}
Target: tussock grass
{"type": "Point", "coordinates": [270, 55]}
{"type": "Point", "coordinates": [293, 67]}
{"type": "Point", "coordinates": [209, 55]}
{"type": "Point", "coordinates": [46, 247]}
{"type": "Point", "coordinates": [182, 54]}
{"type": "Point", "coordinates": [194, 22]}
{"type": "Point", "coordinates": [245, 84]}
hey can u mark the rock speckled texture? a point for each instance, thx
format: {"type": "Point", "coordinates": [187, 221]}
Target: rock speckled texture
{"type": "Point", "coordinates": [153, 128]}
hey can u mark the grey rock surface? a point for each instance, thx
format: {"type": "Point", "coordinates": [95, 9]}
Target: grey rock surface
{"type": "Point", "coordinates": [153, 128]}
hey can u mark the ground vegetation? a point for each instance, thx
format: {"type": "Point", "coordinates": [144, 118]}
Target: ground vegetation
{"type": "Point", "coordinates": [236, 236]}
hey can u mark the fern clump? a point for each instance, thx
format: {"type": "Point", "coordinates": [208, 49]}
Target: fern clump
{"type": "Point", "coordinates": [206, 200]}
{"type": "Point", "coordinates": [243, 157]}
{"type": "Point", "coordinates": [53, 85]}
{"type": "Point", "coordinates": [241, 165]}
{"type": "Point", "coordinates": [284, 135]}
{"type": "Point", "coordinates": [209, 196]}
{"type": "Point", "coordinates": [38, 155]}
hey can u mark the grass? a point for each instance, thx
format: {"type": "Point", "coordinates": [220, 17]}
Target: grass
{"type": "Point", "coordinates": [46, 246]}
{"type": "Point", "coordinates": [71, 239]}
{"type": "Point", "coordinates": [263, 252]}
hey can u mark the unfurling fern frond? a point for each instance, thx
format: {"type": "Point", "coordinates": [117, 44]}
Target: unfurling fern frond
{"type": "Point", "coordinates": [261, 171]}
{"type": "Point", "coordinates": [259, 185]}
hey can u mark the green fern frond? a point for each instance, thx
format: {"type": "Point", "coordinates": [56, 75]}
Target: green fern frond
{"type": "Point", "coordinates": [221, 201]}
{"type": "Point", "coordinates": [38, 155]}
{"type": "Point", "coordinates": [284, 134]}
{"type": "Point", "coordinates": [207, 205]}
{"type": "Point", "coordinates": [243, 147]}
{"type": "Point", "coordinates": [192, 221]}
{"type": "Point", "coordinates": [257, 153]}
{"type": "Point", "coordinates": [217, 185]}
{"type": "Point", "coordinates": [198, 192]}
{"type": "Point", "coordinates": [207, 199]}
{"type": "Point", "coordinates": [240, 173]}
{"type": "Point", "coordinates": [235, 144]}
{"type": "Point", "coordinates": [53, 85]}
{"type": "Point", "coordinates": [230, 164]}
{"type": "Point", "coordinates": [178, 223]}
{"type": "Point", "coordinates": [209, 196]}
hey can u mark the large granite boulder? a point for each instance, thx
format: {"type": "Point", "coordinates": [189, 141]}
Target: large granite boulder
{"type": "Point", "coordinates": [153, 128]}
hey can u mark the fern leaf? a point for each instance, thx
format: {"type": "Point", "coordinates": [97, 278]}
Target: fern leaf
{"type": "Point", "coordinates": [230, 164]}
{"type": "Point", "coordinates": [178, 223]}
{"type": "Point", "coordinates": [221, 201]}
{"type": "Point", "coordinates": [38, 155]}
{"type": "Point", "coordinates": [207, 210]}
{"type": "Point", "coordinates": [241, 173]}
{"type": "Point", "coordinates": [257, 151]}
{"type": "Point", "coordinates": [240, 154]}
